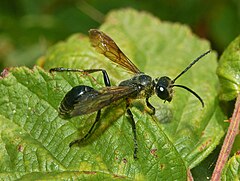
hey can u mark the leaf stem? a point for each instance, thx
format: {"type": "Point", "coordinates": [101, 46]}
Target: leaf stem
{"type": "Point", "coordinates": [233, 130]}
{"type": "Point", "coordinates": [189, 175]}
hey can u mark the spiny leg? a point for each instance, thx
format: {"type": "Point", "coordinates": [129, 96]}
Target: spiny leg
{"type": "Point", "coordinates": [133, 124]}
{"type": "Point", "coordinates": [89, 71]}
{"type": "Point", "coordinates": [89, 132]}
{"type": "Point", "coordinates": [150, 106]}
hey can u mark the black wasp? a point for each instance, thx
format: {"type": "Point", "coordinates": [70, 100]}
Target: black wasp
{"type": "Point", "coordinates": [82, 99]}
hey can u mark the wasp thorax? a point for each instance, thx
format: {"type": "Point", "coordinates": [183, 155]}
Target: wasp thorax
{"type": "Point", "coordinates": [164, 89]}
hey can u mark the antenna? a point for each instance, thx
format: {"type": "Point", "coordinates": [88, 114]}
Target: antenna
{"type": "Point", "coordinates": [191, 64]}
{"type": "Point", "coordinates": [191, 91]}
{"type": "Point", "coordinates": [185, 70]}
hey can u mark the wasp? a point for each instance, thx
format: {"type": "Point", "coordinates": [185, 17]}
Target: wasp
{"type": "Point", "coordinates": [83, 99]}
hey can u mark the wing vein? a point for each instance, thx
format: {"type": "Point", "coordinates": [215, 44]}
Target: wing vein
{"type": "Point", "coordinates": [106, 46]}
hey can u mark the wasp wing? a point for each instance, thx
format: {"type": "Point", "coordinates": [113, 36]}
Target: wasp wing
{"type": "Point", "coordinates": [92, 102]}
{"type": "Point", "coordinates": [106, 46]}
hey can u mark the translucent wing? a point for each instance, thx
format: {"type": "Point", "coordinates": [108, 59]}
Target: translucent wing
{"type": "Point", "coordinates": [106, 46]}
{"type": "Point", "coordinates": [104, 97]}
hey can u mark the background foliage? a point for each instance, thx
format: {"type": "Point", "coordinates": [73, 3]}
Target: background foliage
{"type": "Point", "coordinates": [27, 27]}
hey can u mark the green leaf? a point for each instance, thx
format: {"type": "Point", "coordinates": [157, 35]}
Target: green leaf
{"type": "Point", "coordinates": [36, 140]}
{"type": "Point", "coordinates": [229, 71]}
{"type": "Point", "coordinates": [179, 136]}
{"type": "Point", "coordinates": [232, 170]}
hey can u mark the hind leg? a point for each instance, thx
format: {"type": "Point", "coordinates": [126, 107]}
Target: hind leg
{"type": "Point", "coordinates": [89, 132]}
{"type": "Point", "coordinates": [104, 72]}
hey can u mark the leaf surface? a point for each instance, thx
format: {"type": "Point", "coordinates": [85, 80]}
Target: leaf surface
{"type": "Point", "coordinates": [232, 169]}
{"type": "Point", "coordinates": [179, 136]}
{"type": "Point", "coordinates": [229, 71]}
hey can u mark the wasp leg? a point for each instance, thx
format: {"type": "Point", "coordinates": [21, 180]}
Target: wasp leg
{"type": "Point", "coordinates": [89, 71]}
{"type": "Point", "coordinates": [107, 83]}
{"type": "Point", "coordinates": [89, 132]}
{"type": "Point", "coordinates": [150, 106]}
{"type": "Point", "coordinates": [133, 124]}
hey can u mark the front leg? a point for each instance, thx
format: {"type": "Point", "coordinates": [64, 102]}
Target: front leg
{"type": "Point", "coordinates": [150, 106]}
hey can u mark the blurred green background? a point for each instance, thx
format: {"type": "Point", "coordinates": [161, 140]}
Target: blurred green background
{"type": "Point", "coordinates": [28, 28]}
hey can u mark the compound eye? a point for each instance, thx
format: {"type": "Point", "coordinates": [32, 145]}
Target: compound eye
{"type": "Point", "coordinates": [161, 89]}
{"type": "Point", "coordinates": [163, 93]}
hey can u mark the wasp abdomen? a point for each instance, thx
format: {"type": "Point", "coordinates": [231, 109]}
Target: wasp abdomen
{"type": "Point", "coordinates": [71, 98]}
